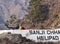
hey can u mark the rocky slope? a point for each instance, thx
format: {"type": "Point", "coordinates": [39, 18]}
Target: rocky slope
{"type": "Point", "coordinates": [50, 9]}
{"type": "Point", "coordinates": [12, 7]}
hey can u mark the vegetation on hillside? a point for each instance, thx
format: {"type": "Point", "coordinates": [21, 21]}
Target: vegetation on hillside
{"type": "Point", "coordinates": [41, 16]}
{"type": "Point", "coordinates": [35, 11]}
{"type": "Point", "coordinates": [12, 22]}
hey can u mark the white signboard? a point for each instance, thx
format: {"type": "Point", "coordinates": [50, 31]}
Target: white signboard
{"type": "Point", "coordinates": [39, 35]}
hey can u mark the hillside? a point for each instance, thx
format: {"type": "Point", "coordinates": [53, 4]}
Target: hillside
{"type": "Point", "coordinates": [12, 7]}
{"type": "Point", "coordinates": [44, 14]}
{"type": "Point", "coordinates": [31, 14]}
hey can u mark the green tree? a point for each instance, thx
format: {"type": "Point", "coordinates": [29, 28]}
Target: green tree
{"type": "Point", "coordinates": [35, 11]}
